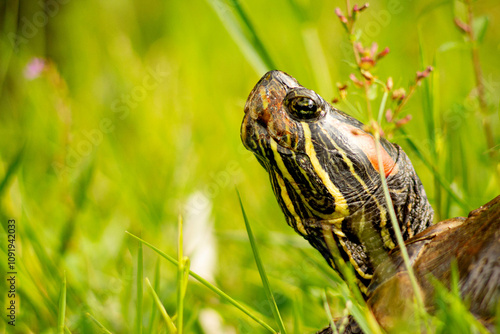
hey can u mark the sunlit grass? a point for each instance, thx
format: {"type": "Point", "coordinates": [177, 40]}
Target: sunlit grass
{"type": "Point", "coordinates": [168, 320]}
{"type": "Point", "coordinates": [210, 286]}
{"type": "Point", "coordinates": [262, 272]}
{"type": "Point", "coordinates": [139, 107]}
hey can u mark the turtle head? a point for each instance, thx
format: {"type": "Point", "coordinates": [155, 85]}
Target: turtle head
{"type": "Point", "coordinates": [320, 159]}
{"type": "Point", "coordinates": [323, 165]}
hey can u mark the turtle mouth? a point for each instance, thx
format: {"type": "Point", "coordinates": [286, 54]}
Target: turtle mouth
{"type": "Point", "coordinates": [258, 138]}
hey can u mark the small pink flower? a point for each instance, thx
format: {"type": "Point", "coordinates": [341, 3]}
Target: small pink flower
{"type": "Point", "coordinates": [342, 90]}
{"type": "Point", "coordinates": [403, 121]}
{"type": "Point", "coordinates": [356, 81]}
{"type": "Point", "coordinates": [367, 75]}
{"type": "Point", "coordinates": [383, 53]}
{"type": "Point", "coordinates": [389, 84]}
{"type": "Point", "coordinates": [373, 49]}
{"type": "Point", "coordinates": [367, 62]}
{"type": "Point", "coordinates": [356, 8]}
{"type": "Point", "coordinates": [388, 115]}
{"type": "Point", "coordinates": [359, 47]}
{"type": "Point", "coordinates": [341, 16]}
{"type": "Point", "coordinates": [341, 86]}
{"type": "Point", "coordinates": [34, 68]}
{"type": "Point", "coordinates": [462, 26]}
{"type": "Point", "coordinates": [424, 74]}
{"type": "Point", "coordinates": [399, 94]}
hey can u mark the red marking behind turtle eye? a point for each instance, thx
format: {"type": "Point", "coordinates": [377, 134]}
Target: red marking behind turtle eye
{"type": "Point", "coordinates": [367, 145]}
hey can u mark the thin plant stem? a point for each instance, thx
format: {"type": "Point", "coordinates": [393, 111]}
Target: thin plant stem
{"type": "Point", "coordinates": [478, 73]}
{"type": "Point", "coordinates": [368, 104]}
{"type": "Point", "coordinates": [382, 106]}
{"type": "Point", "coordinates": [412, 90]}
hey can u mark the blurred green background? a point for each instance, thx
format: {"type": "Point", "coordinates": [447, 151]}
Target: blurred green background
{"type": "Point", "coordinates": [120, 115]}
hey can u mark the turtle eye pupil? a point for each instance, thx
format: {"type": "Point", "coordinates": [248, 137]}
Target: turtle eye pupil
{"type": "Point", "coordinates": [304, 107]}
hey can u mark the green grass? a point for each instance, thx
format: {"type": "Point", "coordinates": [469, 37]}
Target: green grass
{"type": "Point", "coordinates": [62, 307]}
{"type": "Point", "coordinates": [168, 320]}
{"type": "Point", "coordinates": [262, 272]}
{"type": "Point", "coordinates": [138, 110]}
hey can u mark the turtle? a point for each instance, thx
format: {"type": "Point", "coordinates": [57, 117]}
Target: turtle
{"type": "Point", "coordinates": [324, 172]}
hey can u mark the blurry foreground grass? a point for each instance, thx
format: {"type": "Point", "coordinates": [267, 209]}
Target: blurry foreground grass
{"type": "Point", "coordinates": [131, 116]}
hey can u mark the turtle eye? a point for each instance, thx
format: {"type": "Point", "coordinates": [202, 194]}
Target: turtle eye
{"type": "Point", "coordinates": [303, 107]}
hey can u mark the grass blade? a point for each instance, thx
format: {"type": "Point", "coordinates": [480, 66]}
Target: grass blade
{"type": "Point", "coordinates": [62, 307]}
{"type": "Point", "coordinates": [297, 315]}
{"type": "Point", "coordinates": [428, 97]}
{"type": "Point", "coordinates": [318, 60]}
{"type": "Point", "coordinates": [79, 199]}
{"type": "Point", "coordinates": [243, 34]}
{"type": "Point", "coordinates": [434, 170]}
{"type": "Point", "coordinates": [182, 279]}
{"type": "Point", "coordinates": [180, 275]}
{"type": "Point", "coordinates": [156, 287]}
{"type": "Point", "coordinates": [254, 38]}
{"type": "Point", "coordinates": [429, 105]}
{"type": "Point", "coordinates": [399, 236]}
{"type": "Point", "coordinates": [328, 312]}
{"type": "Point", "coordinates": [10, 19]}
{"type": "Point", "coordinates": [299, 11]}
{"type": "Point", "coordinates": [101, 326]}
{"type": "Point", "coordinates": [262, 271]}
{"type": "Point", "coordinates": [210, 286]}
{"type": "Point", "coordinates": [140, 270]}
{"type": "Point", "coordinates": [452, 310]}
{"type": "Point", "coordinates": [350, 293]}
{"type": "Point", "coordinates": [11, 170]}
{"type": "Point", "coordinates": [168, 320]}
{"type": "Point", "coordinates": [397, 231]}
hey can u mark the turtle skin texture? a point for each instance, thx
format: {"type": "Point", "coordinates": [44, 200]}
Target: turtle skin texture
{"type": "Point", "coordinates": [472, 244]}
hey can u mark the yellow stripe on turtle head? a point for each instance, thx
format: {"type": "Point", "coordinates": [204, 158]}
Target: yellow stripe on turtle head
{"type": "Point", "coordinates": [341, 207]}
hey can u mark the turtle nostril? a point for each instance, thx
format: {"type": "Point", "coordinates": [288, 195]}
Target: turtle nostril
{"type": "Point", "coordinates": [261, 122]}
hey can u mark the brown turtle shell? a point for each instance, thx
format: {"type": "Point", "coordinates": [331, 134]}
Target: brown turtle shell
{"type": "Point", "coordinates": [472, 243]}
